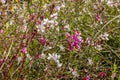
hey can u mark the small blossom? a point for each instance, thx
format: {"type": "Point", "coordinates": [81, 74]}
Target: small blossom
{"type": "Point", "coordinates": [113, 75]}
{"type": "Point", "coordinates": [104, 36]}
{"type": "Point", "coordinates": [1, 31]}
{"type": "Point", "coordinates": [98, 47]}
{"type": "Point", "coordinates": [19, 59]}
{"type": "Point", "coordinates": [24, 50]}
{"type": "Point", "coordinates": [28, 56]}
{"type": "Point", "coordinates": [98, 17]}
{"type": "Point", "coordinates": [43, 41]}
{"type": "Point", "coordinates": [62, 48]}
{"type": "Point", "coordinates": [43, 56]}
{"type": "Point", "coordinates": [67, 27]}
{"type": "Point", "coordinates": [53, 56]}
{"type": "Point", "coordinates": [74, 73]}
{"type": "Point", "coordinates": [86, 78]}
{"type": "Point", "coordinates": [54, 15]}
{"type": "Point", "coordinates": [102, 74]}
{"type": "Point", "coordinates": [56, 58]}
{"type": "Point", "coordinates": [90, 62]}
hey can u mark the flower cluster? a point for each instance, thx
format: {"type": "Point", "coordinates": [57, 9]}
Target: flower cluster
{"type": "Point", "coordinates": [74, 40]}
{"type": "Point", "coordinates": [56, 58]}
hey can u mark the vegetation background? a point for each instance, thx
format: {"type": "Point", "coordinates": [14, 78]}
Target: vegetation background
{"type": "Point", "coordinates": [59, 40]}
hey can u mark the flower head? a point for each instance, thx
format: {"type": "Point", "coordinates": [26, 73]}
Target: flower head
{"type": "Point", "coordinates": [86, 78]}
{"type": "Point", "coordinates": [24, 50]}
{"type": "Point", "coordinates": [74, 40]}
{"type": "Point", "coordinates": [102, 74]}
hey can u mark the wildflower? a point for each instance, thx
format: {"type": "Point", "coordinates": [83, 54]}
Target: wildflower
{"type": "Point", "coordinates": [53, 56]}
{"type": "Point", "coordinates": [102, 74]}
{"type": "Point", "coordinates": [19, 59]}
{"type": "Point", "coordinates": [28, 56]}
{"type": "Point", "coordinates": [43, 41]}
{"type": "Point", "coordinates": [86, 78]}
{"type": "Point", "coordinates": [98, 47]}
{"type": "Point", "coordinates": [74, 40]}
{"type": "Point", "coordinates": [54, 15]}
{"type": "Point", "coordinates": [113, 75]}
{"type": "Point", "coordinates": [24, 50]}
{"type": "Point", "coordinates": [90, 62]}
{"type": "Point", "coordinates": [98, 17]}
{"type": "Point", "coordinates": [104, 36]}
{"type": "Point", "coordinates": [3, 1]}
{"type": "Point", "coordinates": [56, 58]}
{"type": "Point", "coordinates": [67, 27]}
{"type": "Point", "coordinates": [74, 72]}
{"type": "Point", "coordinates": [43, 56]}
{"type": "Point", "coordinates": [1, 31]}
{"type": "Point", "coordinates": [61, 47]}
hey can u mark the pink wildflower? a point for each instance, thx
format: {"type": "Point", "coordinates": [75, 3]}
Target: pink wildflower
{"type": "Point", "coordinates": [86, 78]}
{"type": "Point", "coordinates": [102, 74]}
{"type": "Point", "coordinates": [74, 40]}
{"type": "Point", "coordinates": [24, 50]}
{"type": "Point", "coordinates": [43, 41]}
{"type": "Point", "coordinates": [113, 75]}
{"type": "Point", "coordinates": [98, 17]}
{"type": "Point", "coordinates": [1, 31]}
{"type": "Point", "coordinates": [38, 22]}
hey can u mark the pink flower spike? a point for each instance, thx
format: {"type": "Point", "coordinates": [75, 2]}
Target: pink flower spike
{"type": "Point", "coordinates": [98, 17]}
{"type": "Point", "coordinates": [24, 50]}
{"type": "Point", "coordinates": [102, 74]}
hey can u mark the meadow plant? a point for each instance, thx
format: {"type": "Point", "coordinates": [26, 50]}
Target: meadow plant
{"type": "Point", "coordinates": [59, 39]}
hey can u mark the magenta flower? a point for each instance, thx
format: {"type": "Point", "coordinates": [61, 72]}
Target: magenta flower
{"type": "Point", "coordinates": [102, 74]}
{"type": "Point", "coordinates": [24, 50]}
{"type": "Point", "coordinates": [86, 78]}
{"type": "Point", "coordinates": [98, 17]}
{"type": "Point", "coordinates": [43, 41]}
{"type": "Point", "coordinates": [74, 40]}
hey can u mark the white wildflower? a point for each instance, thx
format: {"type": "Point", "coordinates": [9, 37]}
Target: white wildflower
{"type": "Point", "coordinates": [43, 56]}
{"type": "Point", "coordinates": [56, 58]}
{"type": "Point", "coordinates": [98, 47]}
{"type": "Point", "coordinates": [90, 62]}
{"type": "Point", "coordinates": [19, 59]}
{"type": "Point", "coordinates": [62, 48]}
{"type": "Point", "coordinates": [54, 15]}
{"type": "Point", "coordinates": [104, 36]}
{"type": "Point", "coordinates": [53, 56]}
{"type": "Point", "coordinates": [67, 27]}
{"type": "Point", "coordinates": [28, 56]}
{"type": "Point", "coordinates": [75, 74]}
